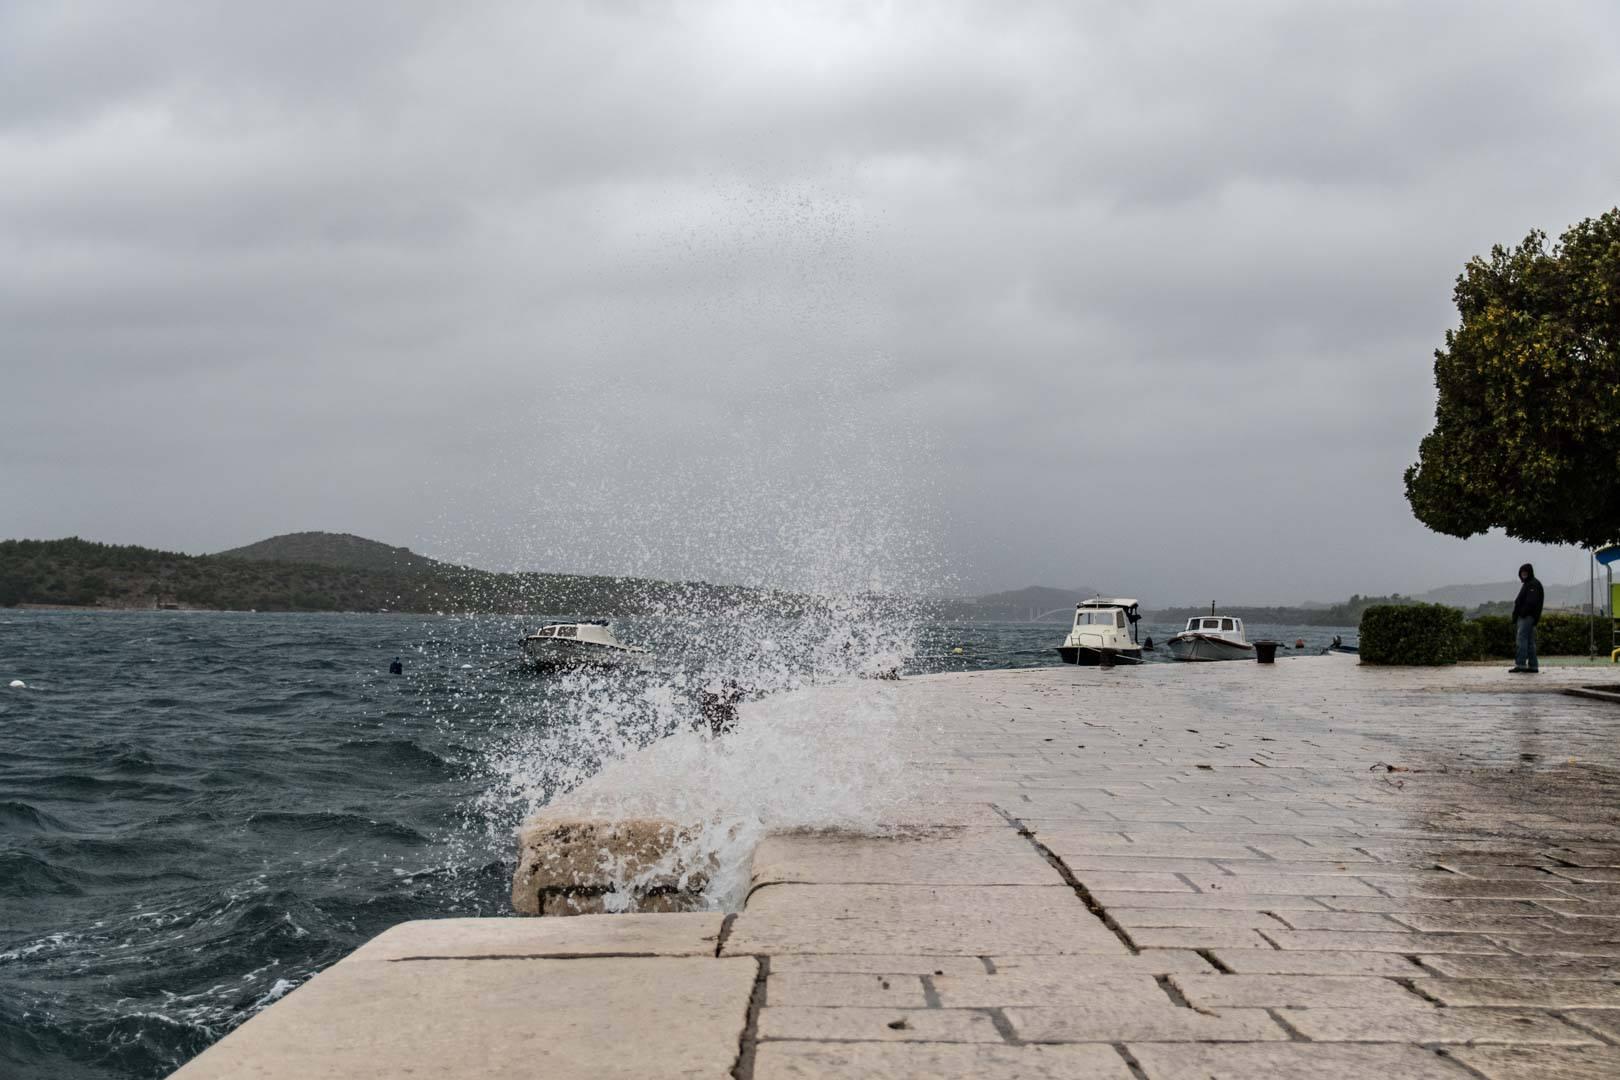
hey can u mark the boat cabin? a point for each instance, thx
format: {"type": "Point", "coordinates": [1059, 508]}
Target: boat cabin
{"type": "Point", "coordinates": [1220, 625]}
{"type": "Point", "coordinates": [1104, 632]}
{"type": "Point", "coordinates": [565, 630]}
{"type": "Point", "coordinates": [590, 632]}
{"type": "Point", "coordinates": [1119, 614]}
{"type": "Point", "coordinates": [1101, 612]}
{"type": "Point", "coordinates": [560, 645]}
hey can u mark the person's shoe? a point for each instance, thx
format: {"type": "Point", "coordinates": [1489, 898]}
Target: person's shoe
{"type": "Point", "coordinates": [1532, 671]}
{"type": "Point", "coordinates": [1518, 671]}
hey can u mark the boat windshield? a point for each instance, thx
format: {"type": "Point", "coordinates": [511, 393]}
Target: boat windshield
{"type": "Point", "coordinates": [1099, 618]}
{"type": "Point", "coordinates": [1206, 623]}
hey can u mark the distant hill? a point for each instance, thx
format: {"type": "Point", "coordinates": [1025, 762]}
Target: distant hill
{"type": "Point", "coordinates": [333, 549]}
{"type": "Point", "coordinates": [319, 571]}
{"type": "Point", "coordinates": [1346, 613]}
{"type": "Point", "coordinates": [83, 573]}
{"type": "Point", "coordinates": [1475, 599]}
{"type": "Point", "coordinates": [1472, 596]}
{"type": "Point", "coordinates": [1043, 602]}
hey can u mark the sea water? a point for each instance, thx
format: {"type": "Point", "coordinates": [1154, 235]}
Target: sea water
{"type": "Point", "coordinates": [200, 810]}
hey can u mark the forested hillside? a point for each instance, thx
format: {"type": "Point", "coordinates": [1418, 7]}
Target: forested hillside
{"type": "Point", "coordinates": [84, 573]}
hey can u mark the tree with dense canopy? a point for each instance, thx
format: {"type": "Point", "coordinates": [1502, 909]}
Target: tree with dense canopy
{"type": "Point", "coordinates": [1527, 428]}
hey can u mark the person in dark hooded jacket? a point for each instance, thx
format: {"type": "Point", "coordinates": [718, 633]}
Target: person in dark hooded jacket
{"type": "Point", "coordinates": [1526, 613]}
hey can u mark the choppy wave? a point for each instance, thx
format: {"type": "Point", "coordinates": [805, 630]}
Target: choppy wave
{"type": "Point", "coordinates": [18, 816]}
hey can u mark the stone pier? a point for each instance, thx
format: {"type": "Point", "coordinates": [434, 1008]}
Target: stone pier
{"type": "Point", "coordinates": [1310, 869]}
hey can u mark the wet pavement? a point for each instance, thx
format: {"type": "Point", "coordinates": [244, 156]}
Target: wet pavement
{"type": "Point", "coordinates": [1315, 868]}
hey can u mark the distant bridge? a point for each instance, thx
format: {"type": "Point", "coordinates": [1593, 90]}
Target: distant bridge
{"type": "Point", "coordinates": [1045, 614]}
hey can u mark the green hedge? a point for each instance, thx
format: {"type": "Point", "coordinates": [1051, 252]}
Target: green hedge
{"type": "Point", "coordinates": [1414, 634]}
{"type": "Point", "coordinates": [1557, 634]}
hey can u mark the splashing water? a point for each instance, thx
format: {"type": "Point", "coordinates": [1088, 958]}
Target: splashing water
{"type": "Point", "coordinates": [766, 440]}
{"type": "Point", "coordinates": [827, 535]}
{"type": "Point", "coordinates": [819, 747]}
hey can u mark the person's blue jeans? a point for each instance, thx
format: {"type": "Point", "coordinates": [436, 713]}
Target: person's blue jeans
{"type": "Point", "coordinates": [1527, 644]}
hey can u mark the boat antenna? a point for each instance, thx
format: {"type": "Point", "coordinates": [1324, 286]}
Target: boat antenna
{"type": "Point", "coordinates": [1212, 607]}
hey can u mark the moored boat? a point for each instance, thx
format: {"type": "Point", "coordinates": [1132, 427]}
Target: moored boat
{"type": "Point", "coordinates": [579, 644]}
{"type": "Point", "coordinates": [1104, 630]}
{"type": "Point", "coordinates": [1211, 637]}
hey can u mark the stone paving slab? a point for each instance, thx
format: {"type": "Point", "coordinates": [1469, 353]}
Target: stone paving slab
{"type": "Point", "coordinates": [1544, 993]}
{"type": "Point", "coordinates": [1524, 967]}
{"type": "Point", "coordinates": [1358, 920]}
{"type": "Point", "coordinates": [670, 934]}
{"type": "Point", "coordinates": [1196, 937]}
{"type": "Point", "coordinates": [1432, 1025]}
{"type": "Point", "coordinates": [1315, 991]}
{"type": "Point", "coordinates": [1114, 1021]}
{"type": "Point", "coordinates": [1076, 986]}
{"type": "Point", "coordinates": [1070, 966]}
{"type": "Point", "coordinates": [1050, 902]}
{"type": "Point", "coordinates": [1289, 1061]}
{"type": "Point", "coordinates": [1279, 962]}
{"type": "Point", "coordinates": [938, 1061]}
{"type": "Point", "coordinates": [1141, 918]}
{"type": "Point", "coordinates": [936, 857]}
{"type": "Point", "coordinates": [1374, 941]}
{"type": "Point", "coordinates": [1541, 1063]}
{"type": "Point", "coordinates": [877, 964]}
{"type": "Point", "coordinates": [829, 989]}
{"type": "Point", "coordinates": [1606, 1022]}
{"type": "Point", "coordinates": [492, 1019]}
{"type": "Point", "coordinates": [771, 934]}
{"type": "Point", "coordinates": [854, 1024]}
{"type": "Point", "coordinates": [1527, 909]}
{"type": "Point", "coordinates": [1212, 901]}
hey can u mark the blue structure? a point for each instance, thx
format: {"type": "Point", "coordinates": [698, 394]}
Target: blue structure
{"type": "Point", "coordinates": [1606, 557]}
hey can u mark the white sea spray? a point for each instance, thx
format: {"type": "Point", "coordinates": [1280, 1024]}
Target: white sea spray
{"type": "Point", "coordinates": [796, 468]}
{"type": "Point", "coordinates": [832, 554]}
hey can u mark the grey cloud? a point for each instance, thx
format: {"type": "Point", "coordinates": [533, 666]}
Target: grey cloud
{"type": "Point", "coordinates": [975, 283]}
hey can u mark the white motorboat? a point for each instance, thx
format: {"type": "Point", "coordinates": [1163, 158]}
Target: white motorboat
{"type": "Point", "coordinates": [1211, 637]}
{"type": "Point", "coordinates": [579, 644]}
{"type": "Point", "coordinates": [1100, 625]}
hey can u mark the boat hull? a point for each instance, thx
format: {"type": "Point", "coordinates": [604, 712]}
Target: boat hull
{"type": "Point", "coordinates": [1200, 647]}
{"type": "Point", "coordinates": [561, 654]}
{"type": "Point", "coordinates": [1086, 656]}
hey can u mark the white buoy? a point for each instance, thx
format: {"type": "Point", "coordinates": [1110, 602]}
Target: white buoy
{"type": "Point", "coordinates": [18, 684]}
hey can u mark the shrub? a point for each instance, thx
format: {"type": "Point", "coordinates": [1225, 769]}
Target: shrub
{"type": "Point", "coordinates": [1413, 634]}
{"type": "Point", "coordinates": [1495, 633]}
{"type": "Point", "coordinates": [1471, 642]}
{"type": "Point", "coordinates": [1568, 634]}
{"type": "Point", "coordinates": [1558, 634]}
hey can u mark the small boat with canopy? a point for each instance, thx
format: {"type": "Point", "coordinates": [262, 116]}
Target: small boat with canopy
{"type": "Point", "coordinates": [1104, 632]}
{"type": "Point", "coordinates": [1211, 637]}
{"type": "Point", "coordinates": [579, 644]}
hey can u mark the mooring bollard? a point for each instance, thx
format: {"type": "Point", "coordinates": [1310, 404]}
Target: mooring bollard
{"type": "Point", "coordinates": [1265, 652]}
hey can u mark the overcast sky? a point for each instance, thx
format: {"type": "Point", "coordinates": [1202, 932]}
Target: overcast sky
{"type": "Point", "coordinates": [1140, 295]}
